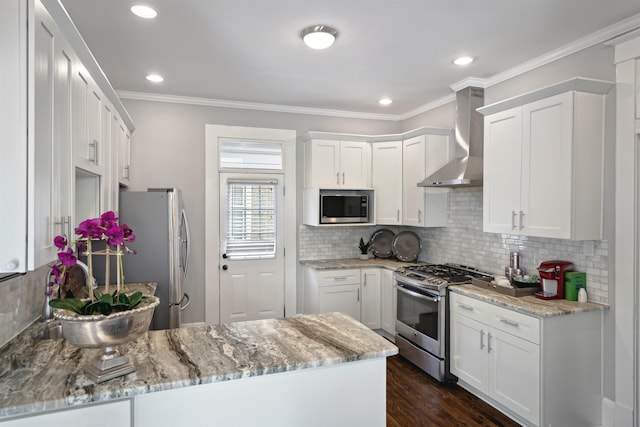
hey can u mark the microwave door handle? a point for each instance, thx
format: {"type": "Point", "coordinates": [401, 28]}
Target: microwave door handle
{"type": "Point", "coordinates": [430, 298]}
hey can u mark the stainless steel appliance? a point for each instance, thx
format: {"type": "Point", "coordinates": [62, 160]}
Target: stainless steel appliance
{"type": "Point", "coordinates": [159, 221]}
{"type": "Point", "coordinates": [421, 313]}
{"type": "Point", "coordinates": [345, 206]}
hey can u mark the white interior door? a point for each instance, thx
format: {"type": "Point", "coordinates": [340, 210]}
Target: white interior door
{"type": "Point", "coordinates": [251, 247]}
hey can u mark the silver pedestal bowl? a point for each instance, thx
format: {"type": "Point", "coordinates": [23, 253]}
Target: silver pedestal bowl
{"type": "Point", "coordinates": [106, 332]}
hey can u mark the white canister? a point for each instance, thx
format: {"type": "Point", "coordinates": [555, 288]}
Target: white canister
{"type": "Point", "coordinates": [582, 295]}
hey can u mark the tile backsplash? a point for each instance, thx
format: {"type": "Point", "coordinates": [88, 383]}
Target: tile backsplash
{"type": "Point", "coordinates": [21, 301]}
{"type": "Point", "coordinates": [464, 242]}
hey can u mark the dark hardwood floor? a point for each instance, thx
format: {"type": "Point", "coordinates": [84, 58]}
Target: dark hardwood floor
{"type": "Point", "coordinates": [415, 399]}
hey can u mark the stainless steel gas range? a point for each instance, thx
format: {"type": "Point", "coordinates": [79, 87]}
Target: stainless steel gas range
{"type": "Point", "coordinates": [421, 313]}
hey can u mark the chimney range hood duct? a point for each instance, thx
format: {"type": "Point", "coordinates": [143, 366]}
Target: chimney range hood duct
{"type": "Point", "coordinates": [466, 169]}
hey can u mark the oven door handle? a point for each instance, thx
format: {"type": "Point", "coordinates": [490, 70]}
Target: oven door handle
{"type": "Point", "coordinates": [431, 298]}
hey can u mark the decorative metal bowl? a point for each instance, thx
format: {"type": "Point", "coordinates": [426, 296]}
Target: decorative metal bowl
{"type": "Point", "coordinates": [106, 332]}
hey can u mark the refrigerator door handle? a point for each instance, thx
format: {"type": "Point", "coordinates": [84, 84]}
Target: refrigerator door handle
{"type": "Point", "coordinates": [186, 303]}
{"type": "Point", "coordinates": [185, 245]}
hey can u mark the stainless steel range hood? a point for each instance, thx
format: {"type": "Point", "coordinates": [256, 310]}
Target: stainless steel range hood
{"type": "Point", "coordinates": [465, 170]}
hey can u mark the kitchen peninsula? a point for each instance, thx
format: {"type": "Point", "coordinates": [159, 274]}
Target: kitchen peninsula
{"type": "Point", "coordinates": [324, 369]}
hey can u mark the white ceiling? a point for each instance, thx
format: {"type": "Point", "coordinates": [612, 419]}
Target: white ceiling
{"type": "Point", "coordinates": [249, 51]}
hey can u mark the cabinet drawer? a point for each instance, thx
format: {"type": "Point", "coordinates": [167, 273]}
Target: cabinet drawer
{"type": "Point", "coordinates": [517, 324]}
{"type": "Point", "coordinates": [469, 307]}
{"type": "Point", "coordinates": [338, 277]}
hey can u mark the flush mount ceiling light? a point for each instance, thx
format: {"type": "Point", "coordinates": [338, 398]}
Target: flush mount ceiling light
{"type": "Point", "coordinates": [155, 78]}
{"type": "Point", "coordinates": [319, 36]}
{"type": "Point", "coordinates": [463, 60]}
{"type": "Point", "coordinates": [385, 101]}
{"type": "Point", "coordinates": [144, 11]}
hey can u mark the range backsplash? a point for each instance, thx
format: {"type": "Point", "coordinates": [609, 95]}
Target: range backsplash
{"type": "Point", "coordinates": [463, 242]}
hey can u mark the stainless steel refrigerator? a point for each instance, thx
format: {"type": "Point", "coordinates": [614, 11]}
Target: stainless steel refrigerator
{"type": "Point", "coordinates": [159, 222]}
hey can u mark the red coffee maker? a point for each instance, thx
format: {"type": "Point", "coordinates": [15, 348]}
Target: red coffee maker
{"type": "Point", "coordinates": [552, 279]}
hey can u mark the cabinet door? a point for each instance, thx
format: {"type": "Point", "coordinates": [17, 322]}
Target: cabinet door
{"type": "Point", "coordinates": [370, 309]}
{"type": "Point", "coordinates": [437, 154]}
{"type": "Point", "coordinates": [414, 169]}
{"type": "Point", "coordinates": [502, 156]}
{"type": "Point", "coordinates": [388, 302]}
{"type": "Point", "coordinates": [110, 157]}
{"type": "Point", "coordinates": [52, 145]}
{"type": "Point", "coordinates": [124, 147]}
{"type": "Point", "coordinates": [322, 164]}
{"type": "Point", "coordinates": [514, 374]}
{"type": "Point", "coordinates": [469, 356]}
{"type": "Point", "coordinates": [387, 179]}
{"type": "Point", "coordinates": [547, 167]}
{"type": "Point", "coordinates": [342, 298]}
{"type": "Point", "coordinates": [355, 164]}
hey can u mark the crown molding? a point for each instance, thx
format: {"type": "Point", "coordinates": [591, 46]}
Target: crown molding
{"type": "Point", "coordinates": [175, 99]}
{"type": "Point", "coordinates": [604, 35]}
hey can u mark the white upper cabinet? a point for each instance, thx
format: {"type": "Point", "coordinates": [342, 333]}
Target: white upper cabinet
{"type": "Point", "coordinates": [124, 153]}
{"type": "Point", "coordinates": [423, 155]}
{"type": "Point", "coordinates": [337, 164]}
{"type": "Point", "coordinates": [543, 163]}
{"type": "Point", "coordinates": [387, 181]}
{"type": "Point", "coordinates": [54, 145]}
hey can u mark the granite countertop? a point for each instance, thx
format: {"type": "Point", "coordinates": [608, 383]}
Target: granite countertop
{"type": "Point", "coordinates": [44, 375]}
{"type": "Point", "coordinates": [331, 264]}
{"type": "Point", "coordinates": [528, 304]}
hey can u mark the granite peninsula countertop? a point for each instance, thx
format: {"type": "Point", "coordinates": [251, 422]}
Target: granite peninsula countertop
{"type": "Point", "coordinates": [331, 264]}
{"type": "Point", "coordinates": [528, 304]}
{"type": "Point", "coordinates": [43, 375]}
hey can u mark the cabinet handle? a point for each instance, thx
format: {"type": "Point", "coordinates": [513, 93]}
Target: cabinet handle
{"type": "Point", "coordinates": [398, 215]}
{"type": "Point", "coordinates": [342, 178]}
{"type": "Point", "coordinates": [358, 299]}
{"type": "Point", "coordinates": [96, 151]}
{"type": "Point", "coordinates": [465, 307]}
{"type": "Point", "coordinates": [126, 172]}
{"type": "Point", "coordinates": [340, 278]}
{"type": "Point", "coordinates": [481, 339]}
{"type": "Point", "coordinates": [69, 226]}
{"type": "Point", "coordinates": [419, 215]}
{"type": "Point", "coordinates": [521, 220]}
{"type": "Point", "coordinates": [338, 178]}
{"type": "Point", "coordinates": [94, 158]}
{"type": "Point", "coordinates": [513, 220]}
{"type": "Point", "coordinates": [489, 342]}
{"type": "Point", "coordinates": [510, 323]}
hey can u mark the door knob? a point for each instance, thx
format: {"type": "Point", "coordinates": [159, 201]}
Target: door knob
{"type": "Point", "coordinates": [224, 256]}
{"type": "Point", "coordinates": [225, 267]}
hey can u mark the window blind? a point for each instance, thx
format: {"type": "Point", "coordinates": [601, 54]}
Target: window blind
{"type": "Point", "coordinates": [251, 220]}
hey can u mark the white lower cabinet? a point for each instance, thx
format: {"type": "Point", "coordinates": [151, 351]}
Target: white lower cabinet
{"type": "Point", "coordinates": [387, 302]}
{"type": "Point", "coordinates": [353, 291]}
{"type": "Point", "coordinates": [113, 414]}
{"type": "Point", "coordinates": [528, 366]}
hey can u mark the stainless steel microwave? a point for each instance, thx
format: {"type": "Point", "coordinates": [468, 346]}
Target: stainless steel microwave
{"type": "Point", "coordinates": [345, 206]}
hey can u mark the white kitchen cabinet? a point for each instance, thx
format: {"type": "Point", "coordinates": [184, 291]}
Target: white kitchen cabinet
{"type": "Point", "coordinates": [388, 302]}
{"type": "Point", "coordinates": [337, 164]}
{"type": "Point", "coordinates": [342, 298]}
{"type": "Point", "coordinates": [89, 148]}
{"type": "Point", "coordinates": [543, 162]}
{"type": "Point", "coordinates": [112, 414]}
{"type": "Point", "coordinates": [525, 365]}
{"type": "Point", "coordinates": [332, 290]}
{"type": "Point", "coordinates": [422, 155]}
{"type": "Point", "coordinates": [387, 180]}
{"type": "Point", "coordinates": [124, 153]}
{"type": "Point", "coordinates": [52, 167]}
{"type": "Point", "coordinates": [370, 305]}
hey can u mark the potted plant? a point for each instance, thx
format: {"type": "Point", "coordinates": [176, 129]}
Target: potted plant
{"type": "Point", "coordinates": [103, 320]}
{"type": "Point", "coordinates": [364, 249]}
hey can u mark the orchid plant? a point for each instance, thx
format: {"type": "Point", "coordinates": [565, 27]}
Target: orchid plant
{"type": "Point", "coordinates": [104, 228]}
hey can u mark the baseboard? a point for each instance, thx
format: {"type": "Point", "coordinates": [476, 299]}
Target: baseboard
{"type": "Point", "coordinates": [615, 414]}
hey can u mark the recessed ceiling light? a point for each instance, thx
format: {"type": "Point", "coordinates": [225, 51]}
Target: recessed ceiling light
{"type": "Point", "coordinates": [319, 36]}
{"type": "Point", "coordinates": [144, 11]}
{"type": "Point", "coordinates": [385, 101]}
{"type": "Point", "coordinates": [463, 60]}
{"type": "Point", "coordinates": [156, 78]}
